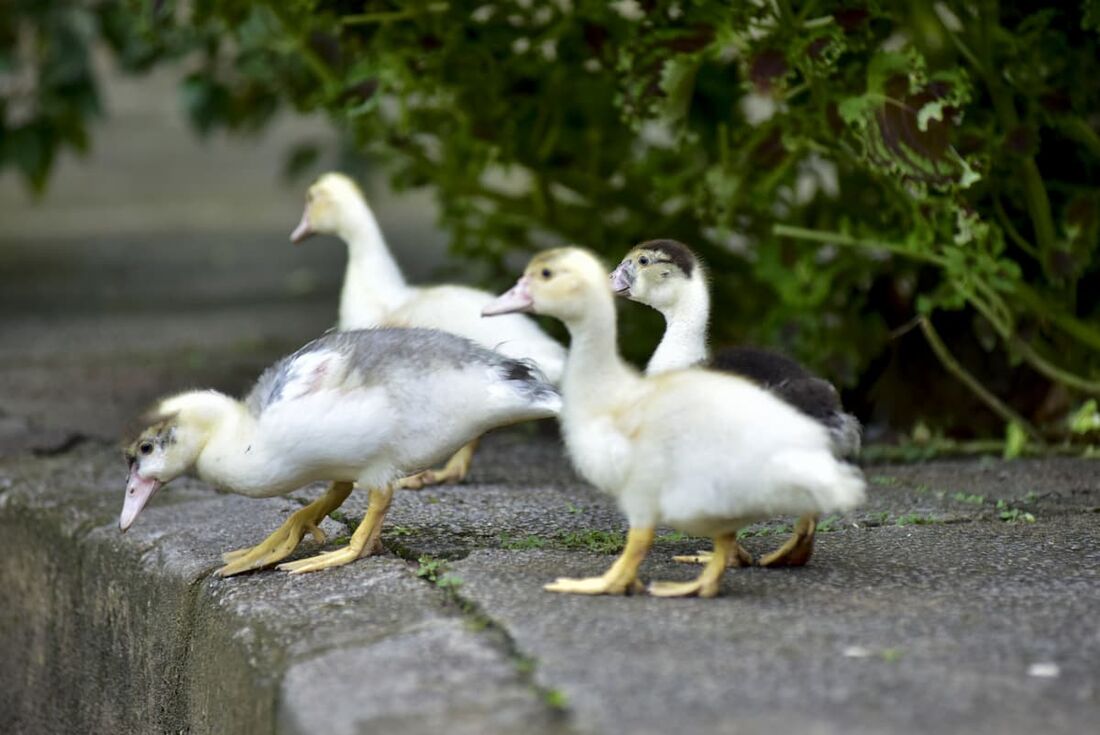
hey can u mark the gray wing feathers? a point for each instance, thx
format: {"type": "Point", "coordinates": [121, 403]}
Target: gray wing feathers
{"type": "Point", "coordinates": [378, 351]}
{"type": "Point", "coordinates": [529, 381]}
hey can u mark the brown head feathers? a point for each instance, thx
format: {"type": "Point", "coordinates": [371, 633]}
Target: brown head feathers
{"type": "Point", "coordinates": [674, 251]}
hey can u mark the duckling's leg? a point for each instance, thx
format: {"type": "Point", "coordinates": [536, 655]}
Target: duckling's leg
{"type": "Point", "coordinates": [454, 471]}
{"type": "Point", "coordinates": [799, 547]}
{"type": "Point", "coordinates": [286, 538]}
{"type": "Point", "coordinates": [364, 542]}
{"type": "Point", "coordinates": [739, 557]}
{"type": "Point", "coordinates": [706, 584]}
{"type": "Point", "coordinates": [621, 578]}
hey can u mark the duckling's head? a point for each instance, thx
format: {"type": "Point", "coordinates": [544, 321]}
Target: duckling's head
{"type": "Point", "coordinates": [657, 273]}
{"type": "Point", "coordinates": [565, 283]}
{"type": "Point", "coordinates": [176, 432]}
{"type": "Point", "coordinates": [331, 202]}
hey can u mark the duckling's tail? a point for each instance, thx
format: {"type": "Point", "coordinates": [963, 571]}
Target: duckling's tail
{"type": "Point", "coordinates": [846, 434]}
{"type": "Point", "coordinates": [531, 383]}
{"type": "Point", "coordinates": [834, 485]}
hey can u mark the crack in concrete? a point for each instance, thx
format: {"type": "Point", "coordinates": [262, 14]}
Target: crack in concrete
{"type": "Point", "coordinates": [557, 709]}
{"type": "Point", "coordinates": [558, 713]}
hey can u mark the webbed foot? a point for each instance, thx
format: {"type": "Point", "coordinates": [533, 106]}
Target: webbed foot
{"type": "Point", "coordinates": [706, 584]}
{"type": "Point", "coordinates": [364, 542]}
{"type": "Point", "coordinates": [798, 549]}
{"type": "Point", "coordinates": [594, 586]}
{"type": "Point", "coordinates": [739, 557]}
{"type": "Point", "coordinates": [694, 588]}
{"type": "Point", "coordinates": [286, 537]}
{"type": "Point", "coordinates": [455, 471]}
{"type": "Point", "coordinates": [620, 579]}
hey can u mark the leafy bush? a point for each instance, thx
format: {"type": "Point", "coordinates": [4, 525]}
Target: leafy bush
{"type": "Point", "coordinates": [847, 170]}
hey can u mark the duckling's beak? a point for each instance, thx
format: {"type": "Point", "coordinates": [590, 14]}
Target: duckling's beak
{"type": "Point", "coordinates": [518, 298]}
{"type": "Point", "coordinates": [304, 230]}
{"type": "Point", "coordinates": [138, 491]}
{"type": "Point", "coordinates": [622, 278]}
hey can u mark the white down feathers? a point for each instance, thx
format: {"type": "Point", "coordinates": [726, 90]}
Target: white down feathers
{"type": "Point", "coordinates": [707, 453]}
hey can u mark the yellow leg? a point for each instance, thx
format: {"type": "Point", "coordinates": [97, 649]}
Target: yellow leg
{"type": "Point", "coordinates": [453, 472]}
{"type": "Point", "coordinates": [621, 578]}
{"type": "Point", "coordinates": [363, 542]}
{"type": "Point", "coordinates": [706, 584]}
{"type": "Point", "coordinates": [799, 547]}
{"type": "Point", "coordinates": [739, 557]}
{"type": "Point", "coordinates": [285, 539]}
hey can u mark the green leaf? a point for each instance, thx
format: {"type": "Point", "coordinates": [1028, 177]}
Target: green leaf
{"type": "Point", "coordinates": [1015, 440]}
{"type": "Point", "coordinates": [1086, 418]}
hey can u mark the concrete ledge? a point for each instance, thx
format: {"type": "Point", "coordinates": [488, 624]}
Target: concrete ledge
{"type": "Point", "coordinates": [110, 633]}
{"type": "Point", "coordinates": [926, 611]}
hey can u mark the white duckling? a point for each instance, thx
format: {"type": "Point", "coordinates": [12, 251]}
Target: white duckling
{"type": "Point", "coordinates": [667, 276]}
{"type": "Point", "coordinates": [375, 294]}
{"type": "Point", "coordinates": [703, 452]}
{"type": "Point", "coordinates": [364, 407]}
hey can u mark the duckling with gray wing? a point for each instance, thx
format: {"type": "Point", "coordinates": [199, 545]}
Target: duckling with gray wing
{"type": "Point", "coordinates": [364, 407]}
{"type": "Point", "coordinates": [667, 276]}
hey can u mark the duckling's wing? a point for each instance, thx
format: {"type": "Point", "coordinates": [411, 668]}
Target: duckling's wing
{"type": "Point", "coordinates": [787, 379]}
{"type": "Point", "coordinates": [814, 397]}
{"type": "Point", "coordinates": [762, 367]}
{"type": "Point", "coordinates": [321, 363]}
{"type": "Point", "coordinates": [818, 399]}
{"type": "Point", "coordinates": [365, 357]}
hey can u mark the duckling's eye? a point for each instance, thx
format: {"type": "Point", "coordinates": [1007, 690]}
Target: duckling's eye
{"type": "Point", "coordinates": [644, 260]}
{"type": "Point", "coordinates": [146, 447]}
{"type": "Point", "coordinates": [546, 273]}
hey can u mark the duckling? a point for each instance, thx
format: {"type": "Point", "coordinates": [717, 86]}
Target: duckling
{"type": "Point", "coordinates": [375, 294]}
{"type": "Point", "coordinates": [666, 275]}
{"type": "Point", "coordinates": [704, 452]}
{"type": "Point", "coordinates": [365, 406]}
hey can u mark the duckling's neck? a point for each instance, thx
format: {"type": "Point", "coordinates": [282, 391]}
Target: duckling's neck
{"type": "Point", "coordinates": [373, 284]}
{"type": "Point", "coordinates": [685, 341]}
{"type": "Point", "coordinates": [594, 371]}
{"type": "Point", "coordinates": [235, 457]}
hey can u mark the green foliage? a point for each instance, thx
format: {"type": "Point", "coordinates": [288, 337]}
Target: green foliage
{"type": "Point", "coordinates": [556, 699]}
{"type": "Point", "coordinates": [946, 153]}
{"type": "Point", "coordinates": [601, 542]}
{"type": "Point", "coordinates": [916, 519]}
{"type": "Point", "coordinates": [430, 568]}
{"type": "Point", "coordinates": [672, 537]}
{"type": "Point", "coordinates": [1015, 441]}
{"type": "Point", "coordinates": [1085, 419]}
{"type": "Point", "coordinates": [435, 571]}
{"type": "Point", "coordinates": [517, 543]}
{"type": "Point", "coordinates": [1010, 514]}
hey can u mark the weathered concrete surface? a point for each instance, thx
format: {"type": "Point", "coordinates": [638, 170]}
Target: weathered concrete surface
{"type": "Point", "coordinates": [911, 628]}
{"type": "Point", "coordinates": [110, 633]}
{"type": "Point", "coordinates": [894, 630]}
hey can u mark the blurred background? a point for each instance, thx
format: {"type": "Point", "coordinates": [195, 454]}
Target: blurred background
{"type": "Point", "coordinates": [905, 196]}
{"type": "Point", "coordinates": [160, 260]}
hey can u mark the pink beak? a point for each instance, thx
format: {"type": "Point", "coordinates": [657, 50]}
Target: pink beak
{"type": "Point", "coordinates": [304, 230]}
{"type": "Point", "coordinates": [622, 278]}
{"type": "Point", "coordinates": [138, 492]}
{"type": "Point", "coordinates": [517, 298]}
